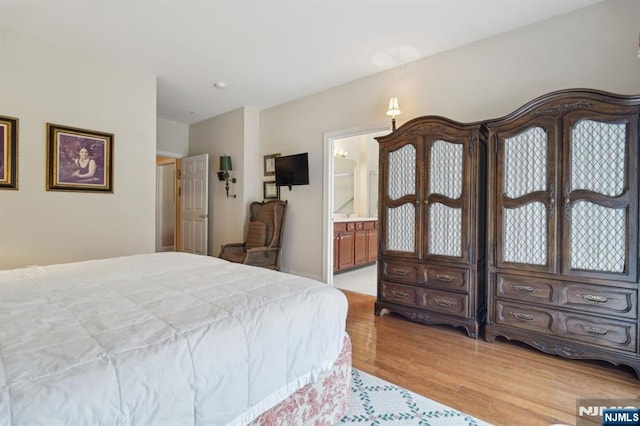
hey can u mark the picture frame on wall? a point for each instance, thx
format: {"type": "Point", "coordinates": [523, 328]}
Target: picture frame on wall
{"type": "Point", "coordinates": [8, 152]}
{"type": "Point", "coordinates": [79, 159]}
{"type": "Point", "coordinates": [270, 164]}
{"type": "Point", "coordinates": [271, 190]}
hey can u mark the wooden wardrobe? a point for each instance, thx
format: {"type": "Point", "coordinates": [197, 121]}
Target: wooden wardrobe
{"type": "Point", "coordinates": [431, 222]}
{"type": "Point", "coordinates": [562, 252]}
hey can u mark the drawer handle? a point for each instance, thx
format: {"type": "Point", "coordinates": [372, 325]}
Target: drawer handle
{"type": "Point", "coordinates": [523, 288]}
{"type": "Point", "coordinates": [444, 277]}
{"type": "Point", "coordinates": [523, 317]}
{"type": "Point", "coordinates": [595, 331]}
{"type": "Point", "coordinates": [400, 271]}
{"type": "Point", "coordinates": [442, 302]}
{"type": "Point", "coordinates": [592, 298]}
{"type": "Point", "coordinates": [399, 293]}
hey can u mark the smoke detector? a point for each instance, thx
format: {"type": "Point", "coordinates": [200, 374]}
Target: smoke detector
{"type": "Point", "coordinates": [220, 85]}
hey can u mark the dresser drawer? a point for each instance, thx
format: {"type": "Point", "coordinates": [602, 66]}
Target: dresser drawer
{"type": "Point", "coordinates": [397, 293]}
{"type": "Point", "coordinates": [404, 272]}
{"type": "Point", "coordinates": [604, 332]}
{"type": "Point", "coordinates": [589, 298]}
{"type": "Point", "coordinates": [448, 278]}
{"type": "Point", "coordinates": [526, 289]}
{"type": "Point", "coordinates": [339, 226]}
{"type": "Point", "coordinates": [369, 224]}
{"type": "Point", "coordinates": [456, 304]}
{"type": "Point", "coordinates": [524, 317]}
{"type": "Point", "coordinates": [600, 299]}
{"type": "Point", "coordinates": [601, 331]}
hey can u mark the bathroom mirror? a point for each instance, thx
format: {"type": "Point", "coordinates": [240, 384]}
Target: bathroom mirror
{"type": "Point", "coordinates": [344, 174]}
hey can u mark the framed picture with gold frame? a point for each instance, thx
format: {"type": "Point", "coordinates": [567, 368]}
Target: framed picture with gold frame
{"type": "Point", "coordinates": [79, 159]}
{"type": "Point", "coordinates": [270, 164]}
{"type": "Point", "coordinates": [271, 190]}
{"type": "Point", "coordinates": [8, 152]}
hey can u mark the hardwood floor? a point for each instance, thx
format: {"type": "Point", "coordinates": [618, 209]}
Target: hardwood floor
{"type": "Point", "coordinates": [501, 383]}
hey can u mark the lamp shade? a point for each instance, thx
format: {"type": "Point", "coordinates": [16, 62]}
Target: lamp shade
{"type": "Point", "coordinates": [225, 163]}
{"type": "Point", "coordinates": [393, 109]}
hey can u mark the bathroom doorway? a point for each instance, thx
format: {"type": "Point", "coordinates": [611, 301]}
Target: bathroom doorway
{"type": "Point", "coordinates": [351, 195]}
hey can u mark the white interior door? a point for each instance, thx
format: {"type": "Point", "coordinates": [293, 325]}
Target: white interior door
{"type": "Point", "coordinates": [194, 207]}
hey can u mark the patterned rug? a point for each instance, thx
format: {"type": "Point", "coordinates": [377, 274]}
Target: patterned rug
{"type": "Point", "coordinates": [377, 402]}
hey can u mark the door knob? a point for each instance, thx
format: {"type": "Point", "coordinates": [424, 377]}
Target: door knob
{"type": "Point", "coordinates": [203, 216]}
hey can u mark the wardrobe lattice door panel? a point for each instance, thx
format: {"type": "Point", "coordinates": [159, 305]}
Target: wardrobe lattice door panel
{"type": "Point", "coordinates": [598, 234]}
{"type": "Point", "coordinates": [598, 238]}
{"type": "Point", "coordinates": [401, 228]}
{"type": "Point", "coordinates": [445, 169]}
{"type": "Point", "coordinates": [525, 234]}
{"type": "Point", "coordinates": [445, 230]}
{"type": "Point", "coordinates": [525, 225]}
{"type": "Point", "coordinates": [402, 172]}
{"type": "Point", "coordinates": [525, 163]}
{"type": "Point", "coordinates": [598, 152]}
{"type": "Point", "coordinates": [446, 179]}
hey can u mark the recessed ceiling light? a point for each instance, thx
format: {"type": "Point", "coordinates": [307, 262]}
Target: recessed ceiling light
{"type": "Point", "coordinates": [220, 85]}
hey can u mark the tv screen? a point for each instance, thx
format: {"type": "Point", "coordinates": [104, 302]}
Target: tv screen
{"type": "Point", "coordinates": [292, 170]}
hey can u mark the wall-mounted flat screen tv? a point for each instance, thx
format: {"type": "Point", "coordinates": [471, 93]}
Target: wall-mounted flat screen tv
{"type": "Point", "coordinates": [292, 170]}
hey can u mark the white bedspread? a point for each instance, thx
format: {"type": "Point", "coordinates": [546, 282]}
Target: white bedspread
{"type": "Point", "coordinates": [159, 339]}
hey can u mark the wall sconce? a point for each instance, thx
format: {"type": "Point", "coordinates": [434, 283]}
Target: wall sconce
{"type": "Point", "coordinates": [223, 174]}
{"type": "Point", "coordinates": [393, 110]}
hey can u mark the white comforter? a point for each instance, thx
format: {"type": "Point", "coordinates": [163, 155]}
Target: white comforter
{"type": "Point", "coordinates": [159, 339]}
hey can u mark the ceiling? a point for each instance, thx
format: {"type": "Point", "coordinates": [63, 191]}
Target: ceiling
{"type": "Point", "coordinates": [267, 51]}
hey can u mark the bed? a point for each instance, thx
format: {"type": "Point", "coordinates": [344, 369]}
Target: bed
{"type": "Point", "coordinates": [170, 339]}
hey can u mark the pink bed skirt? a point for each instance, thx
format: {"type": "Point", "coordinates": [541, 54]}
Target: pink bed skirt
{"type": "Point", "coordinates": [322, 403]}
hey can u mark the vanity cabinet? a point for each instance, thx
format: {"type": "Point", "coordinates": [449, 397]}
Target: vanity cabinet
{"type": "Point", "coordinates": [354, 244]}
{"type": "Point", "coordinates": [372, 243]}
{"type": "Point", "coordinates": [563, 228]}
{"type": "Point", "coordinates": [344, 247]}
{"type": "Point", "coordinates": [431, 246]}
{"type": "Point", "coordinates": [360, 249]}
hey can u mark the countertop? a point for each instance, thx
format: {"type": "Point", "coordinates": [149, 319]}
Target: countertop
{"type": "Point", "coordinates": [354, 219]}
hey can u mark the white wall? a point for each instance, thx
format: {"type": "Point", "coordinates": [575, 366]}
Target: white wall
{"type": "Point", "coordinates": [253, 170]}
{"type": "Point", "coordinates": [221, 135]}
{"type": "Point", "coordinates": [594, 47]}
{"type": "Point", "coordinates": [42, 83]}
{"type": "Point", "coordinates": [173, 138]}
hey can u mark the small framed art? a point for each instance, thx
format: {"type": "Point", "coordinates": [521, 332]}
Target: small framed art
{"type": "Point", "coordinates": [271, 191]}
{"type": "Point", "coordinates": [270, 164]}
{"type": "Point", "coordinates": [79, 159]}
{"type": "Point", "coordinates": [8, 152]}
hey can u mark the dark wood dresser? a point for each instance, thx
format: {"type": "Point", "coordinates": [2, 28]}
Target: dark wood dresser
{"type": "Point", "coordinates": [563, 226]}
{"type": "Point", "coordinates": [431, 241]}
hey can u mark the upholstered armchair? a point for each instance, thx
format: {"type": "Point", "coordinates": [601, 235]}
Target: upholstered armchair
{"type": "Point", "coordinates": [264, 236]}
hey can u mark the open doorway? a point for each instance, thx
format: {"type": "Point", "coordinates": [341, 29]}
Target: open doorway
{"type": "Point", "coordinates": [166, 203]}
{"type": "Point", "coordinates": [350, 202]}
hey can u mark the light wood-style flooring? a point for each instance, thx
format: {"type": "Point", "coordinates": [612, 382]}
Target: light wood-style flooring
{"type": "Point", "coordinates": [504, 383]}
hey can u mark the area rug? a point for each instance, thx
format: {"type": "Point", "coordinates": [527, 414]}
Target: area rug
{"type": "Point", "coordinates": [378, 402]}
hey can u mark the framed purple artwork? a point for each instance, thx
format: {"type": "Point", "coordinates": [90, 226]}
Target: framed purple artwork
{"type": "Point", "coordinates": [79, 159]}
{"type": "Point", "coordinates": [8, 152]}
